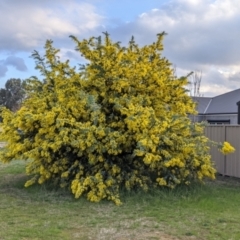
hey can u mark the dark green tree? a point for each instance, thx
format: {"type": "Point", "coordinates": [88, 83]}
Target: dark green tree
{"type": "Point", "coordinates": [13, 94]}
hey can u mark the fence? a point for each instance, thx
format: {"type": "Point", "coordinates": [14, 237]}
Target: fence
{"type": "Point", "coordinates": [225, 164]}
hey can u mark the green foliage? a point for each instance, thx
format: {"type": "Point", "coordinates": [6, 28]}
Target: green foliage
{"type": "Point", "coordinates": [121, 121]}
{"type": "Point", "coordinates": [13, 94]}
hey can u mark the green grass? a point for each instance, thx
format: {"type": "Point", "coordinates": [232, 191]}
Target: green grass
{"type": "Point", "coordinates": [207, 212]}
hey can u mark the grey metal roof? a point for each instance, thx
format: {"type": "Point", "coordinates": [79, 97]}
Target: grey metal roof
{"type": "Point", "coordinates": [224, 103]}
{"type": "Point", "coordinates": [202, 104]}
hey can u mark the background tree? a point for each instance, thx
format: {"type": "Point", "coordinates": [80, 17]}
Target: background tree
{"type": "Point", "coordinates": [194, 84]}
{"type": "Point", "coordinates": [13, 94]}
{"type": "Point", "coordinates": [194, 88]}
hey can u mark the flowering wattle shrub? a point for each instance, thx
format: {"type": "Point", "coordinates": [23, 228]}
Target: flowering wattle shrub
{"type": "Point", "coordinates": [121, 121]}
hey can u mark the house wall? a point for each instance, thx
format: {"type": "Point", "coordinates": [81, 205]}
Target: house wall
{"type": "Point", "coordinates": [200, 118]}
{"type": "Point", "coordinates": [233, 117]}
{"type": "Point", "coordinates": [197, 118]}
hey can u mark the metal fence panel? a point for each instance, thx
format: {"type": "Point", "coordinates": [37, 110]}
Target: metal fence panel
{"type": "Point", "coordinates": [233, 159]}
{"type": "Point", "coordinates": [217, 134]}
{"type": "Point", "coordinates": [225, 164]}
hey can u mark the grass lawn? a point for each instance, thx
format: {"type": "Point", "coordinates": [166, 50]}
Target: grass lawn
{"type": "Point", "coordinates": [207, 212]}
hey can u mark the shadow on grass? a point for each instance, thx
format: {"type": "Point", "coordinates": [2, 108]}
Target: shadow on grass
{"type": "Point", "coordinates": [13, 178]}
{"type": "Point", "coordinates": [12, 184]}
{"type": "Point", "coordinates": [180, 192]}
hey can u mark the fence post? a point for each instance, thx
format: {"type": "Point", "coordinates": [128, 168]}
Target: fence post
{"type": "Point", "coordinates": [225, 157]}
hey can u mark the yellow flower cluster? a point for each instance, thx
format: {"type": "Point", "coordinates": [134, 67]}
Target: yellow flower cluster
{"type": "Point", "coordinates": [174, 162]}
{"type": "Point", "coordinates": [161, 181]}
{"type": "Point", "coordinates": [227, 148]}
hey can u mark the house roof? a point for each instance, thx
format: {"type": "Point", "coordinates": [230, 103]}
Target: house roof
{"type": "Point", "coordinates": [202, 103]}
{"type": "Point", "coordinates": [224, 103]}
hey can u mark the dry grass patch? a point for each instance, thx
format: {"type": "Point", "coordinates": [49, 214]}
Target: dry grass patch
{"type": "Point", "coordinates": [139, 229]}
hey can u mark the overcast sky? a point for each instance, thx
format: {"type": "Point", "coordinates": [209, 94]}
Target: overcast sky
{"type": "Point", "coordinates": [203, 35]}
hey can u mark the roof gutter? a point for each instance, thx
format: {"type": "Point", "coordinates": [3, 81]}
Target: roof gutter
{"type": "Point", "coordinates": [219, 114]}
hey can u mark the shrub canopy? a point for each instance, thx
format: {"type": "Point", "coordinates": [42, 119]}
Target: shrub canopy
{"type": "Point", "coordinates": [121, 121]}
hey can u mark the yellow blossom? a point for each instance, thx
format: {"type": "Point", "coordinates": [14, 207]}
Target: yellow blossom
{"type": "Point", "coordinates": [227, 148]}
